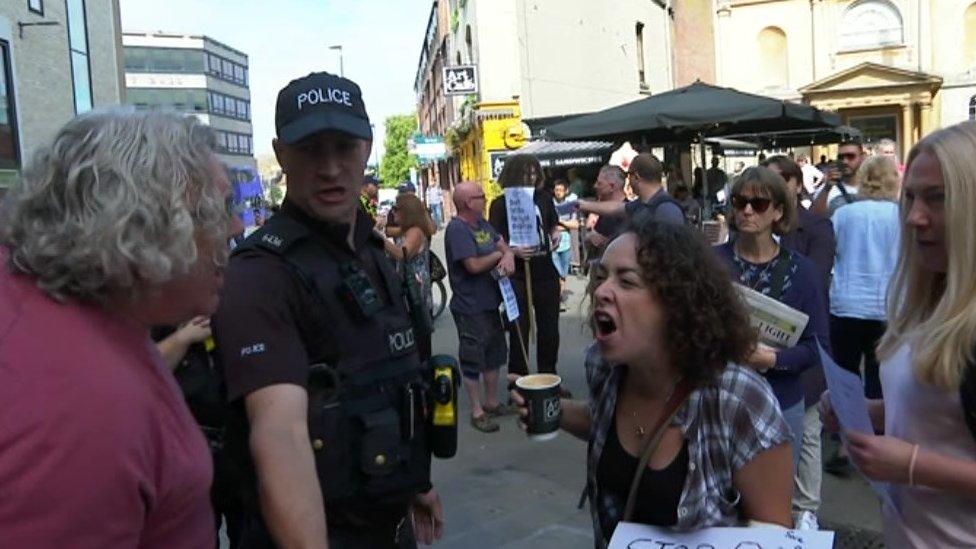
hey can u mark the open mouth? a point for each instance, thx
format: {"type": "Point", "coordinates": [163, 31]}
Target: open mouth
{"type": "Point", "coordinates": [335, 194]}
{"type": "Point", "coordinates": [604, 324]}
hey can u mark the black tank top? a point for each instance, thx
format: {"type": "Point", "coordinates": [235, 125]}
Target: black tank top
{"type": "Point", "coordinates": [659, 492]}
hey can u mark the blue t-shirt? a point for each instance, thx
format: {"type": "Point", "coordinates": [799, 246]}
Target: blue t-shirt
{"type": "Point", "coordinates": [868, 232]}
{"type": "Point", "coordinates": [471, 293]}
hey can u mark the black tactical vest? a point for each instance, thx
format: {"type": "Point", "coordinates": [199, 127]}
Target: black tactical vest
{"type": "Point", "coordinates": [368, 391]}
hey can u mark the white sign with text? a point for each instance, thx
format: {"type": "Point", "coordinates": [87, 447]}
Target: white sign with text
{"type": "Point", "coordinates": [629, 535]}
{"type": "Point", "coordinates": [508, 298]}
{"type": "Point", "coordinates": [520, 208]}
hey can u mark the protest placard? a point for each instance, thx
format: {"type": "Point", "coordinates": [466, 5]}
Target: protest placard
{"type": "Point", "coordinates": [520, 209]}
{"type": "Point", "coordinates": [629, 535]}
{"type": "Point", "coordinates": [509, 299]}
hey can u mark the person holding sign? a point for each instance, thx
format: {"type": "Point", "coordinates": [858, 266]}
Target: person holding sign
{"type": "Point", "coordinates": [475, 252]}
{"type": "Point", "coordinates": [761, 207]}
{"type": "Point", "coordinates": [535, 274]}
{"type": "Point", "coordinates": [928, 372]}
{"type": "Point", "coordinates": [680, 435]}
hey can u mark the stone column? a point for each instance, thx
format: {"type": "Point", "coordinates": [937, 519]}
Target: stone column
{"type": "Point", "coordinates": [927, 123]}
{"type": "Point", "coordinates": [907, 126]}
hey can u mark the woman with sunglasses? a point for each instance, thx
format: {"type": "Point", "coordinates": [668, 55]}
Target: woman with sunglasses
{"type": "Point", "coordinates": [762, 210]}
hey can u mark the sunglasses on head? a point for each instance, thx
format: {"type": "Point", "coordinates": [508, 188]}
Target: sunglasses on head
{"type": "Point", "coordinates": [759, 204]}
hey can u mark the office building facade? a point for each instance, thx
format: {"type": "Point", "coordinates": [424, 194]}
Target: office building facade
{"type": "Point", "coordinates": [58, 58]}
{"type": "Point", "coordinates": [200, 76]}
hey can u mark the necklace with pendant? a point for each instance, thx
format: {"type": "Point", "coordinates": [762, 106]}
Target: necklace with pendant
{"type": "Point", "coordinates": [638, 428]}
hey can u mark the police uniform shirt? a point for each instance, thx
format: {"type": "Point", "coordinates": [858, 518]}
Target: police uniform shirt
{"type": "Point", "coordinates": [267, 327]}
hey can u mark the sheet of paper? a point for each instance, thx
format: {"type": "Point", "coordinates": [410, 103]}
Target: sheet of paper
{"type": "Point", "coordinates": [629, 535]}
{"type": "Point", "coordinates": [520, 208]}
{"type": "Point", "coordinates": [508, 298]}
{"type": "Point", "coordinates": [847, 399]}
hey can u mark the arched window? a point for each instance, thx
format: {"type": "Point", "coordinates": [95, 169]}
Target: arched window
{"type": "Point", "coordinates": [773, 59]}
{"type": "Point", "coordinates": [870, 24]}
{"type": "Point", "coordinates": [969, 36]}
{"type": "Point", "coordinates": [972, 108]}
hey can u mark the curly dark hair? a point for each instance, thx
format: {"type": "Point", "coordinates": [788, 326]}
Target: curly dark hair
{"type": "Point", "coordinates": [706, 322]}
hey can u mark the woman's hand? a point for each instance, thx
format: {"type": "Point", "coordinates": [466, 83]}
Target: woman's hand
{"type": "Point", "coordinates": [763, 358]}
{"type": "Point", "coordinates": [827, 416]}
{"type": "Point", "coordinates": [881, 458]}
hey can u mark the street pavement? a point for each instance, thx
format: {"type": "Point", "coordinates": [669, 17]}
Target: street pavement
{"type": "Point", "coordinates": [503, 490]}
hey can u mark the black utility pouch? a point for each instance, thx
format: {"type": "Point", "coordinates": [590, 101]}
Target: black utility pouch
{"type": "Point", "coordinates": [379, 455]}
{"type": "Point", "coordinates": [330, 430]}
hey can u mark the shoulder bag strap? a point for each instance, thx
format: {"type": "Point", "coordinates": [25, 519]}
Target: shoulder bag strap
{"type": "Point", "coordinates": [967, 395]}
{"type": "Point", "coordinates": [681, 393]}
{"type": "Point", "coordinates": [777, 278]}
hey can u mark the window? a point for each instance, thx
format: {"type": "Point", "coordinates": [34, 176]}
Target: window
{"type": "Point", "coordinates": [167, 60]}
{"type": "Point", "coordinates": [171, 99]}
{"type": "Point", "coordinates": [226, 105]}
{"type": "Point", "coordinates": [641, 76]}
{"type": "Point", "coordinates": [36, 6]}
{"type": "Point", "coordinates": [969, 36]}
{"type": "Point", "coordinates": [972, 108]}
{"type": "Point", "coordinates": [9, 140]}
{"type": "Point", "coordinates": [871, 24]}
{"type": "Point", "coordinates": [78, 51]}
{"type": "Point", "coordinates": [773, 60]}
{"type": "Point", "coordinates": [234, 143]}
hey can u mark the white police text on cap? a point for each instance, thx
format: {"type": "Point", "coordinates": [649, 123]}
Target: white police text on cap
{"type": "Point", "coordinates": [316, 96]}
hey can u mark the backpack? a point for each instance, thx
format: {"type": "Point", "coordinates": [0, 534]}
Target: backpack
{"type": "Point", "coordinates": [649, 211]}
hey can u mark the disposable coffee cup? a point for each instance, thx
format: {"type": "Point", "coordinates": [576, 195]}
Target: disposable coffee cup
{"type": "Point", "coordinates": [541, 394]}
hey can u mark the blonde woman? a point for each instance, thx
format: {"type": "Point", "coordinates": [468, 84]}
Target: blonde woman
{"type": "Point", "coordinates": [927, 452]}
{"type": "Point", "coordinates": [867, 234]}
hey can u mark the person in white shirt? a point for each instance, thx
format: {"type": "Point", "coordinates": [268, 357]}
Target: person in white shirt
{"type": "Point", "coordinates": [812, 179]}
{"type": "Point", "coordinates": [435, 203]}
{"type": "Point", "coordinates": [840, 180]}
{"type": "Point", "coordinates": [927, 453]}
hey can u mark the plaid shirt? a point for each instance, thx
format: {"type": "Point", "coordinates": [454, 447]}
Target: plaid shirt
{"type": "Point", "coordinates": [726, 423]}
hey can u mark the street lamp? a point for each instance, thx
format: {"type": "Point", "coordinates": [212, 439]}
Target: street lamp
{"type": "Point", "coordinates": [342, 71]}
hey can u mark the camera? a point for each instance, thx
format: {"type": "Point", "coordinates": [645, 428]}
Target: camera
{"type": "Point", "coordinates": [357, 291]}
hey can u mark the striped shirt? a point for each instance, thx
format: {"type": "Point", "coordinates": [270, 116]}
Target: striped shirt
{"type": "Point", "coordinates": [726, 423]}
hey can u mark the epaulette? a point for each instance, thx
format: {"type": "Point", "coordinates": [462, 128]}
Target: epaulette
{"type": "Point", "coordinates": [278, 235]}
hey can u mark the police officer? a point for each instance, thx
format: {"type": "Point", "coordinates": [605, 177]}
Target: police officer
{"type": "Point", "coordinates": [330, 416]}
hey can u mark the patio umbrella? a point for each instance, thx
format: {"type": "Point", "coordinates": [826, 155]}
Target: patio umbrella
{"type": "Point", "coordinates": [693, 113]}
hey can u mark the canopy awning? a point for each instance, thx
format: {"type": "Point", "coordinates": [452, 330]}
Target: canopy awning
{"type": "Point", "coordinates": [561, 154]}
{"type": "Point", "coordinates": [698, 110]}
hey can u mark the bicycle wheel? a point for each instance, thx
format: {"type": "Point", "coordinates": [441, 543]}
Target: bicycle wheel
{"type": "Point", "coordinates": [439, 298]}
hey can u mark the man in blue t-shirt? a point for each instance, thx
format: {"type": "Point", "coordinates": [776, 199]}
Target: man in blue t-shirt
{"type": "Point", "coordinates": [476, 256]}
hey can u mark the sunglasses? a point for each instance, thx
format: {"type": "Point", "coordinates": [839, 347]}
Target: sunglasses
{"type": "Point", "coordinates": [847, 156]}
{"type": "Point", "coordinates": [759, 205]}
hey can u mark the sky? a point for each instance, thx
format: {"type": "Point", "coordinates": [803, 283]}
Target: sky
{"type": "Point", "coordinates": [286, 39]}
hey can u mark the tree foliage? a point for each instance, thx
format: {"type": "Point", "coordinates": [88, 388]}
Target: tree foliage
{"type": "Point", "coordinates": [397, 161]}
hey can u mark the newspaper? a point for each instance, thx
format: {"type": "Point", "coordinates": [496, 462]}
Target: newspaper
{"type": "Point", "coordinates": [779, 325]}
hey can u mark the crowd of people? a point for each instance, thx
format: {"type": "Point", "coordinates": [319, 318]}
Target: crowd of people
{"type": "Point", "coordinates": [285, 385]}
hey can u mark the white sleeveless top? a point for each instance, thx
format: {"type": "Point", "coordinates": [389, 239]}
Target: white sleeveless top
{"type": "Point", "coordinates": [933, 419]}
